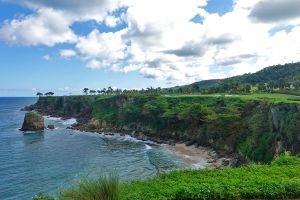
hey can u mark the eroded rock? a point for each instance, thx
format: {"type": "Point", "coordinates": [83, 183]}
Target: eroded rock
{"type": "Point", "coordinates": [33, 122]}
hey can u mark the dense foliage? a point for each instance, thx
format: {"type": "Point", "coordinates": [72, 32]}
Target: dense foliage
{"type": "Point", "coordinates": [103, 188]}
{"type": "Point", "coordinates": [280, 180]}
{"type": "Point", "coordinates": [278, 78]}
{"type": "Point", "coordinates": [251, 126]}
{"type": "Point", "coordinates": [257, 127]}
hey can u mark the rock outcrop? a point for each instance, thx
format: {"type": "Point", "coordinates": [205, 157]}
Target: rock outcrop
{"type": "Point", "coordinates": [50, 126]}
{"type": "Point", "coordinates": [33, 122]}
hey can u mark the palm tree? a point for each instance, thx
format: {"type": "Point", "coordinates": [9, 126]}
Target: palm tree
{"type": "Point", "coordinates": [39, 94]}
{"type": "Point", "coordinates": [85, 90]}
{"type": "Point", "coordinates": [103, 91]}
{"type": "Point", "coordinates": [49, 94]}
{"type": "Point", "coordinates": [92, 91]}
{"type": "Point", "coordinates": [110, 90]}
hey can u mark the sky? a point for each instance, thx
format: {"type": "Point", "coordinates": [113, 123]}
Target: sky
{"type": "Point", "coordinates": [64, 46]}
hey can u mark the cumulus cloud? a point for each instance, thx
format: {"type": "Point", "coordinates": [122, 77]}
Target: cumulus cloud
{"type": "Point", "coordinates": [275, 10]}
{"type": "Point", "coordinates": [161, 41]}
{"type": "Point", "coordinates": [67, 53]}
{"type": "Point", "coordinates": [77, 9]}
{"type": "Point", "coordinates": [111, 21]}
{"type": "Point", "coordinates": [46, 57]}
{"type": "Point", "coordinates": [47, 27]}
{"type": "Point", "coordinates": [106, 46]}
{"type": "Point", "coordinates": [95, 64]}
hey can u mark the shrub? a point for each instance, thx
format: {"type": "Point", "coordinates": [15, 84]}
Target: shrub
{"type": "Point", "coordinates": [103, 188]}
{"type": "Point", "coordinates": [41, 196]}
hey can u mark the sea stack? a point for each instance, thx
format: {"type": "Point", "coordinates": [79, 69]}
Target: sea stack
{"type": "Point", "coordinates": [33, 122]}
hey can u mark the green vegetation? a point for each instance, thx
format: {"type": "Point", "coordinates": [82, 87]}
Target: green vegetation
{"type": "Point", "coordinates": [251, 125]}
{"type": "Point", "coordinates": [278, 180]}
{"type": "Point", "coordinates": [256, 116]}
{"type": "Point", "coordinates": [41, 196]}
{"type": "Point", "coordinates": [275, 79]}
{"type": "Point", "coordinates": [256, 126]}
{"type": "Point", "coordinates": [103, 188]}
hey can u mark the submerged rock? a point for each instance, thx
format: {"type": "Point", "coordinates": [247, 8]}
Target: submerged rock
{"type": "Point", "coordinates": [33, 122]}
{"type": "Point", "coordinates": [50, 126]}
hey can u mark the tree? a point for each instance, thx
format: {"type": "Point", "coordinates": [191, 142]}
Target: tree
{"type": "Point", "coordinates": [92, 91]}
{"type": "Point", "coordinates": [247, 88]}
{"type": "Point", "coordinates": [49, 94]}
{"type": "Point", "coordinates": [39, 94]}
{"type": "Point", "coordinates": [85, 90]}
{"type": "Point", "coordinates": [110, 90]}
{"type": "Point", "coordinates": [103, 91]}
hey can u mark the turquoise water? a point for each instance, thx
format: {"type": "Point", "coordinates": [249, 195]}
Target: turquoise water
{"type": "Point", "coordinates": [51, 160]}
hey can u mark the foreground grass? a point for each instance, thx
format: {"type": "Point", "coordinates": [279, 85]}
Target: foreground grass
{"type": "Point", "coordinates": [279, 180]}
{"type": "Point", "coordinates": [103, 188]}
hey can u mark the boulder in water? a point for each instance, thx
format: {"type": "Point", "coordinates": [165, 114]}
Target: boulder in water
{"type": "Point", "coordinates": [50, 126]}
{"type": "Point", "coordinates": [33, 122]}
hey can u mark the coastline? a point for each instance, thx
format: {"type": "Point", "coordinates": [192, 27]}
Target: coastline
{"type": "Point", "coordinates": [194, 157]}
{"type": "Point", "coordinates": [200, 157]}
{"type": "Point", "coordinates": [193, 154]}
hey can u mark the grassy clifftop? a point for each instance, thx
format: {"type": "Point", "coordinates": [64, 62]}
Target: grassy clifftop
{"type": "Point", "coordinates": [257, 127]}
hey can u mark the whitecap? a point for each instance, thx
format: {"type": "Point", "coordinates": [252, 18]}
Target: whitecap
{"type": "Point", "coordinates": [69, 121]}
{"type": "Point", "coordinates": [53, 118]}
{"type": "Point", "coordinates": [148, 147]}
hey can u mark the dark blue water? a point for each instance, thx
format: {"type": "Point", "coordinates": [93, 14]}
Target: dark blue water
{"type": "Point", "coordinates": [54, 159]}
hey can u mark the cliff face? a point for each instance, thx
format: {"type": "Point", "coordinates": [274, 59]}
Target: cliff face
{"type": "Point", "coordinates": [255, 129]}
{"type": "Point", "coordinates": [66, 107]}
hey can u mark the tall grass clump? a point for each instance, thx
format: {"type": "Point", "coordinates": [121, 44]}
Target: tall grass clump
{"type": "Point", "coordinates": [106, 187]}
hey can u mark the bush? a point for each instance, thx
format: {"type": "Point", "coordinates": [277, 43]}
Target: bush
{"type": "Point", "coordinates": [280, 180]}
{"type": "Point", "coordinates": [41, 196]}
{"type": "Point", "coordinates": [103, 188]}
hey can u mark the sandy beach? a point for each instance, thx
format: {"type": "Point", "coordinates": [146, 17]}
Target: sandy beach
{"type": "Point", "coordinates": [194, 157]}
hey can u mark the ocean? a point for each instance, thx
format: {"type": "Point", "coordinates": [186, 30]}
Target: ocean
{"type": "Point", "coordinates": [52, 160]}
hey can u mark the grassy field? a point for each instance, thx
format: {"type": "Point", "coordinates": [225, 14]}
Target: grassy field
{"type": "Point", "coordinates": [273, 97]}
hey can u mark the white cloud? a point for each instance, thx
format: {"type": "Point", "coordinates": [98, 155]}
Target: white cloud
{"type": "Point", "coordinates": [66, 53]}
{"type": "Point", "coordinates": [75, 9]}
{"type": "Point", "coordinates": [111, 21]}
{"type": "Point", "coordinates": [47, 27]}
{"type": "Point", "coordinates": [161, 41]}
{"type": "Point", "coordinates": [94, 64]}
{"type": "Point", "coordinates": [46, 57]}
{"type": "Point", "coordinates": [105, 46]}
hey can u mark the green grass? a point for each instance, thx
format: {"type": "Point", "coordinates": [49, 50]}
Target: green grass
{"type": "Point", "coordinates": [273, 97]}
{"type": "Point", "coordinates": [278, 180]}
{"type": "Point", "coordinates": [103, 188]}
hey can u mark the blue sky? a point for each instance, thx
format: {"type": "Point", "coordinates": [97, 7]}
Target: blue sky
{"type": "Point", "coordinates": [53, 46]}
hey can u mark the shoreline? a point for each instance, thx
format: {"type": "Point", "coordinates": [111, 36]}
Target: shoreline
{"type": "Point", "coordinates": [193, 157]}
{"type": "Point", "coordinates": [200, 157]}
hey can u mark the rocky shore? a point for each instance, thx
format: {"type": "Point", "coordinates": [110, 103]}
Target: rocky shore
{"type": "Point", "coordinates": [193, 155]}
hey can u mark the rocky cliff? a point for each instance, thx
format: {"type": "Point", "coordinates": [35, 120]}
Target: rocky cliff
{"type": "Point", "coordinates": [257, 130]}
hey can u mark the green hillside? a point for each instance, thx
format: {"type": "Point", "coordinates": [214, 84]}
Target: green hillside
{"type": "Point", "coordinates": [278, 78]}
